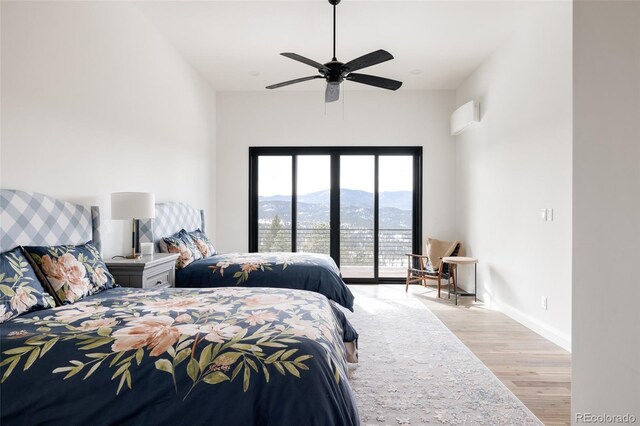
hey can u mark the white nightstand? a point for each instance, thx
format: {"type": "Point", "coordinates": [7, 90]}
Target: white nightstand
{"type": "Point", "coordinates": [150, 271]}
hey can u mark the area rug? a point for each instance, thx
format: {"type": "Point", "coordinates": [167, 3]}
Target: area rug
{"type": "Point", "coordinates": [413, 370]}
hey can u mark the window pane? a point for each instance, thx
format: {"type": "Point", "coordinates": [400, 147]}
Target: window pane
{"type": "Point", "coordinates": [356, 215]}
{"type": "Point", "coordinates": [314, 183]}
{"type": "Point", "coordinates": [395, 184]}
{"type": "Point", "coordinates": [274, 203]}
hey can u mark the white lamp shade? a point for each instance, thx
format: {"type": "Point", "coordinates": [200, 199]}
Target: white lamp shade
{"type": "Point", "coordinates": [133, 205]}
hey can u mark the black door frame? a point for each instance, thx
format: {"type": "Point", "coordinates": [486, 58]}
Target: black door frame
{"type": "Point", "coordinates": [335, 153]}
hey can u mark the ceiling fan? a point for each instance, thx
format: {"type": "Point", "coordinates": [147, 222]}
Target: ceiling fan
{"type": "Point", "coordinates": [335, 72]}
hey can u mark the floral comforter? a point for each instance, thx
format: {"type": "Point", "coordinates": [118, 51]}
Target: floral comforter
{"type": "Point", "coordinates": [224, 356]}
{"type": "Point", "coordinates": [303, 271]}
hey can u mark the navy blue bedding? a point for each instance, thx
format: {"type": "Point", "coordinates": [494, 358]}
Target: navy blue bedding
{"type": "Point", "coordinates": [224, 356]}
{"type": "Point", "coordinates": [349, 334]}
{"type": "Point", "coordinates": [302, 271]}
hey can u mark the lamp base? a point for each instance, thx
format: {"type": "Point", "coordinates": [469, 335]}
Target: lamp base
{"type": "Point", "coordinates": [134, 240]}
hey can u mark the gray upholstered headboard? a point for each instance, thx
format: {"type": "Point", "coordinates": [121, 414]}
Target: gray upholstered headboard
{"type": "Point", "coordinates": [170, 218]}
{"type": "Point", "coordinates": [32, 219]}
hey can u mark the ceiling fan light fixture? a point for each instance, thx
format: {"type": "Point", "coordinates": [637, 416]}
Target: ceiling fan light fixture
{"type": "Point", "coordinates": [332, 93]}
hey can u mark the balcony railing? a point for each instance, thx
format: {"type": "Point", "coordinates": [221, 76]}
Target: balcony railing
{"type": "Point", "coordinates": [356, 244]}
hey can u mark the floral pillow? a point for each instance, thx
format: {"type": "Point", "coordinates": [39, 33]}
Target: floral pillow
{"type": "Point", "coordinates": [181, 243]}
{"type": "Point", "coordinates": [71, 272]}
{"type": "Point", "coordinates": [20, 289]}
{"type": "Point", "coordinates": [203, 243]}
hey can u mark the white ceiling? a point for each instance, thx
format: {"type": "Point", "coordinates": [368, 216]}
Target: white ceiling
{"type": "Point", "coordinates": [228, 41]}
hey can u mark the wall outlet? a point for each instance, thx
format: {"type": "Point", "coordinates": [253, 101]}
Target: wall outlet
{"type": "Point", "coordinates": [543, 302]}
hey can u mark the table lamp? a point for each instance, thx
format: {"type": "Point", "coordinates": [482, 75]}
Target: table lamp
{"type": "Point", "coordinates": [133, 206]}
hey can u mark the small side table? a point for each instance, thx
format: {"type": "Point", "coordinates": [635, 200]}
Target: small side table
{"type": "Point", "coordinates": [454, 261]}
{"type": "Point", "coordinates": [149, 271]}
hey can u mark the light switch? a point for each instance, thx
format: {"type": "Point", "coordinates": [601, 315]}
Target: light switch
{"type": "Point", "coordinates": [543, 215]}
{"type": "Point", "coordinates": [550, 215]}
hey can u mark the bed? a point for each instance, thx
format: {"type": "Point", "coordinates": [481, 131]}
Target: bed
{"type": "Point", "coordinates": [303, 271]}
{"type": "Point", "coordinates": [123, 355]}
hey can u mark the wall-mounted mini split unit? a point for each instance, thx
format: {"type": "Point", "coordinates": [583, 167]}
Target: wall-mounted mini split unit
{"type": "Point", "coordinates": [464, 116]}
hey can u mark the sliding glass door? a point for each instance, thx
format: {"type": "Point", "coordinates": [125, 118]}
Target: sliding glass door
{"type": "Point", "coordinates": [357, 221]}
{"type": "Point", "coordinates": [275, 212]}
{"type": "Point", "coordinates": [359, 205]}
{"type": "Point", "coordinates": [395, 214]}
{"type": "Point", "coordinates": [313, 209]}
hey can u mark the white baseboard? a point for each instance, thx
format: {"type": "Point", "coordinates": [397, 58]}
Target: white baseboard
{"type": "Point", "coordinates": [556, 336]}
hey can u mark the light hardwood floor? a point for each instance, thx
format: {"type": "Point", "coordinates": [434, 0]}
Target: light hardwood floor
{"type": "Point", "coordinates": [537, 371]}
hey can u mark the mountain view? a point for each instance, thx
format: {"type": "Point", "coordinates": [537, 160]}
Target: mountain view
{"type": "Point", "coordinates": [356, 226]}
{"type": "Point", "coordinates": [356, 209]}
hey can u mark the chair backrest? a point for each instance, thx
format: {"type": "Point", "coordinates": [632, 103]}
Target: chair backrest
{"type": "Point", "coordinates": [445, 266]}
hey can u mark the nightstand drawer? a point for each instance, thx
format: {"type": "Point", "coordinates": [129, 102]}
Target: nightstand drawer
{"type": "Point", "coordinates": [158, 280]}
{"type": "Point", "coordinates": [150, 271]}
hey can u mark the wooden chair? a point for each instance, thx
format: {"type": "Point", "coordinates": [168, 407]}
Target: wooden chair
{"type": "Point", "coordinates": [419, 270]}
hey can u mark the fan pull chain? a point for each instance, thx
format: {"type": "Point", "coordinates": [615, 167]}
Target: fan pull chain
{"type": "Point", "coordinates": [344, 94]}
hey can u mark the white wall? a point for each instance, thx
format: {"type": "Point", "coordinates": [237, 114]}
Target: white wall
{"type": "Point", "coordinates": [606, 209]}
{"type": "Point", "coordinates": [514, 163]}
{"type": "Point", "coordinates": [94, 100]}
{"type": "Point", "coordinates": [289, 118]}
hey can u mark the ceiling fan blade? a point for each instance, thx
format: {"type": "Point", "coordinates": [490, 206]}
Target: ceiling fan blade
{"type": "Point", "coordinates": [367, 60]}
{"type": "Point", "coordinates": [297, 80]}
{"type": "Point", "coordinates": [332, 93]}
{"type": "Point", "coordinates": [296, 57]}
{"type": "Point", "coordinates": [372, 80]}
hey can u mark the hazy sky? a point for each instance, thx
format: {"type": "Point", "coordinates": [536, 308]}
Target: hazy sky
{"type": "Point", "coordinates": [356, 172]}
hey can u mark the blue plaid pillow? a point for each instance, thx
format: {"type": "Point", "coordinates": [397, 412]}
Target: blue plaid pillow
{"type": "Point", "coordinates": [20, 289]}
